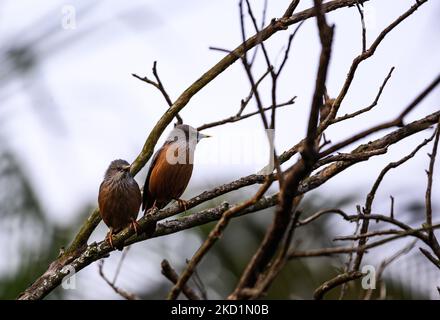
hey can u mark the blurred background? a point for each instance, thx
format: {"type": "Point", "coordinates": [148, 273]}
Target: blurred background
{"type": "Point", "coordinates": [69, 105]}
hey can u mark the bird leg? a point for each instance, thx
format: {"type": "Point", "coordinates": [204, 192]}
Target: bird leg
{"type": "Point", "coordinates": [151, 210]}
{"type": "Point", "coordinates": [135, 225]}
{"type": "Point", "coordinates": [183, 204]}
{"type": "Point", "coordinates": [109, 238]}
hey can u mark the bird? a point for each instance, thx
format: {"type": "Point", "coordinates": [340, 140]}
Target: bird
{"type": "Point", "coordinates": [171, 169]}
{"type": "Point", "coordinates": [119, 199]}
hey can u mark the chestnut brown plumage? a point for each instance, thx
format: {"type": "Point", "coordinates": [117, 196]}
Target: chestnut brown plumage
{"type": "Point", "coordinates": [171, 168]}
{"type": "Point", "coordinates": [119, 198]}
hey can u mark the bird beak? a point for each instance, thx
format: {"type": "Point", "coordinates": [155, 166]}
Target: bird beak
{"type": "Point", "coordinates": [201, 135]}
{"type": "Point", "coordinates": [126, 168]}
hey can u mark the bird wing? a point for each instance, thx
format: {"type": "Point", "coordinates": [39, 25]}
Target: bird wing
{"type": "Point", "coordinates": [147, 201]}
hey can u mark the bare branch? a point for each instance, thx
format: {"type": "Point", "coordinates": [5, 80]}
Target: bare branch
{"type": "Point", "coordinates": [158, 84]}
{"type": "Point", "coordinates": [123, 293]}
{"type": "Point", "coordinates": [335, 282]}
{"type": "Point", "coordinates": [350, 156]}
{"type": "Point", "coordinates": [430, 257]}
{"type": "Point", "coordinates": [121, 261]}
{"type": "Point", "coordinates": [287, 50]}
{"type": "Point", "coordinates": [320, 213]}
{"type": "Point", "coordinates": [236, 118]}
{"type": "Point", "coordinates": [348, 264]}
{"type": "Point", "coordinates": [172, 275]}
{"type": "Point", "coordinates": [430, 174]}
{"type": "Point", "coordinates": [326, 37]}
{"type": "Point", "coordinates": [398, 121]}
{"type": "Point", "coordinates": [384, 232]}
{"type": "Point", "coordinates": [371, 106]}
{"type": "Point", "coordinates": [291, 8]}
{"type": "Point", "coordinates": [384, 264]}
{"type": "Point", "coordinates": [392, 207]}
{"type": "Point", "coordinates": [364, 30]}
{"type": "Point", "coordinates": [244, 102]}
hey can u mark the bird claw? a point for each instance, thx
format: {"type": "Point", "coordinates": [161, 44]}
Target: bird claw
{"type": "Point", "coordinates": [109, 239]}
{"type": "Point", "coordinates": [136, 227]}
{"type": "Point", "coordinates": [183, 204]}
{"type": "Point", "coordinates": [152, 210]}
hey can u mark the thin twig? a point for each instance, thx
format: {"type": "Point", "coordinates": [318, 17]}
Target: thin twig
{"type": "Point", "coordinates": [263, 22]}
{"type": "Point", "coordinates": [236, 118]}
{"type": "Point", "coordinates": [335, 282]}
{"type": "Point", "coordinates": [158, 84]}
{"type": "Point", "coordinates": [384, 264]}
{"type": "Point", "coordinates": [244, 102]}
{"type": "Point", "coordinates": [384, 232]}
{"type": "Point", "coordinates": [349, 263]}
{"type": "Point", "coordinates": [320, 213]}
{"type": "Point", "coordinates": [121, 261]}
{"type": "Point", "coordinates": [199, 284]}
{"type": "Point", "coordinates": [364, 30]}
{"type": "Point", "coordinates": [123, 293]}
{"type": "Point", "coordinates": [392, 207]}
{"type": "Point", "coordinates": [349, 156]}
{"type": "Point", "coordinates": [172, 275]}
{"type": "Point", "coordinates": [371, 106]}
{"type": "Point", "coordinates": [287, 50]}
{"type": "Point", "coordinates": [430, 174]}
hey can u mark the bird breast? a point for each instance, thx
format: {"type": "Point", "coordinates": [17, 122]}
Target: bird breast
{"type": "Point", "coordinates": [119, 201]}
{"type": "Point", "coordinates": [169, 180]}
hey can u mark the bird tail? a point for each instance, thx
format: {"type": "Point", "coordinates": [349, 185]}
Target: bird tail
{"type": "Point", "coordinates": [150, 227]}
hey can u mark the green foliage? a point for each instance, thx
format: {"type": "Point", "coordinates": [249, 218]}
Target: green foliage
{"type": "Point", "coordinates": [36, 239]}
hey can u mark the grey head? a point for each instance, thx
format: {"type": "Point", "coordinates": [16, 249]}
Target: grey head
{"type": "Point", "coordinates": [184, 133]}
{"type": "Point", "coordinates": [118, 169]}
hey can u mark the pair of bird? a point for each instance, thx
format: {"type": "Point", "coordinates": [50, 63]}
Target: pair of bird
{"type": "Point", "coordinates": [169, 174]}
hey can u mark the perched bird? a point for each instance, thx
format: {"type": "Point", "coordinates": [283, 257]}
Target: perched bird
{"type": "Point", "coordinates": [119, 198]}
{"type": "Point", "coordinates": [171, 168]}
